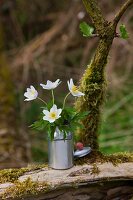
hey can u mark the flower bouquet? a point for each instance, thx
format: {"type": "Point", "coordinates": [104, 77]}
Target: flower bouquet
{"type": "Point", "coordinates": [59, 123]}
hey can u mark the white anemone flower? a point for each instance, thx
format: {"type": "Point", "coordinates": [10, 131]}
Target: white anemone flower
{"type": "Point", "coordinates": [51, 85]}
{"type": "Point", "coordinates": [31, 94]}
{"type": "Point", "coordinates": [74, 89]}
{"type": "Point", "coordinates": [53, 114]}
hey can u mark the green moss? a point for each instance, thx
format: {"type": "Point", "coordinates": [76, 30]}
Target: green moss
{"type": "Point", "coordinates": [95, 13]}
{"type": "Point", "coordinates": [93, 84]}
{"type": "Point", "coordinates": [98, 157]}
{"type": "Point", "coordinates": [11, 175]}
{"type": "Point", "coordinates": [25, 188]}
{"type": "Point", "coordinates": [95, 170]}
{"type": "Point", "coordinates": [92, 102]}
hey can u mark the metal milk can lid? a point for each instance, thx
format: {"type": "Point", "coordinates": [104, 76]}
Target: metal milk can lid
{"type": "Point", "coordinates": [80, 153]}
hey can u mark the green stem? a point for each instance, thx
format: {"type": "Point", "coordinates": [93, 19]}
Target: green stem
{"type": "Point", "coordinates": [65, 99]}
{"type": "Point", "coordinates": [42, 100]}
{"type": "Point", "coordinates": [53, 96]}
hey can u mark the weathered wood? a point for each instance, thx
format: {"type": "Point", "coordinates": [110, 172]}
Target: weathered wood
{"type": "Point", "coordinates": [79, 182]}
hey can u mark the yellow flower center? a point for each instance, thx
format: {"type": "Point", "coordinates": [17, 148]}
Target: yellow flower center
{"type": "Point", "coordinates": [74, 88]}
{"type": "Point", "coordinates": [53, 115]}
{"type": "Point", "coordinates": [32, 92]}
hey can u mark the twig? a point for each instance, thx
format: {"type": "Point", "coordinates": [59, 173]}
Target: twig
{"type": "Point", "coordinates": [121, 11]}
{"type": "Point", "coordinates": [94, 35]}
{"type": "Point", "coordinates": [97, 35]}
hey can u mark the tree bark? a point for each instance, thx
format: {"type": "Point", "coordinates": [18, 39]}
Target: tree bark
{"type": "Point", "coordinates": [93, 83]}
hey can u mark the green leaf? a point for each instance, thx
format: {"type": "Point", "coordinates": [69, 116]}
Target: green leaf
{"type": "Point", "coordinates": [86, 29]}
{"type": "Point", "coordinates": [39, 125]}
{"type": "Point", "coordinates": [51, 131]}
{"type": "Point", "coordinates": [123, 32]}
{"type": "Point", "coordinates": [65, 134]}
{"type": "Point", "coordinates": [80, 115]}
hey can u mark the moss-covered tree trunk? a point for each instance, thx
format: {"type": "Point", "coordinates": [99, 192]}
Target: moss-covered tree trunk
{"type": "Point", "coordinates": [13, 141]}
{"type": "Point", "coordinates": [93, 82]}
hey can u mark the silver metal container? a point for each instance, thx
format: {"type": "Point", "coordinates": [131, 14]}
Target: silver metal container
{"type": "Point", "coordinates": [60, 151]}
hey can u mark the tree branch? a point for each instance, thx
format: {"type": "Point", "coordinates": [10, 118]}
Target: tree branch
{"type": "Point", "coordinates": [118, 16]}
{"type": "Point", "coordinates": [97, 35]}
{"type": "Point", "coordinates": [95, 13]}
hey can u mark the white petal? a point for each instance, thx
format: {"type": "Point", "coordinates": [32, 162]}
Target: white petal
{"type": "Point", "coordinates": [28, 99]}
{"type": "Point", "coordinates": [51, 120]}
{"type": "Point", "coordinates": [45, 87]}
{"type": "Point", "coordinates": [58, 117]}
{"type": "Point", "coordinates": [54, 109]}
{"type": "Point", "coordinates": [57, 82]}
{"type": "Point", "coordinates": [36, 94]}
{"type": "Point", "coordinates": [46, 118]}
{"type": "Point", "coordinates": [50, 84]}
{"type": "Point", "coordinates": [71, 83]}
{"type": "Point", "coordinates": [26, 94]}
{"type": "Point", "coordinates": [80, 93]}
{"type": "Point", "coordinates": [77, 94]}
{"type": "Point", "coordinates": [46, 112]}
{"type": "Point", "coordinates": [42, 85]}
{"type": "Point", "coordinates": [32, 87]}
{"type": "Point", "coordinates": [59, 111]}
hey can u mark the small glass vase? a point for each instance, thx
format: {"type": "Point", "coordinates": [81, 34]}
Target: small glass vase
{"type": "Point", "coordinates": [60, 151]}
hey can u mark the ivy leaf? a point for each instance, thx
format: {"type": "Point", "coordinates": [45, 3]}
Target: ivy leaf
{"type": "Point", "coordinates": [123, 32]}
{"type": "Point", "coordinates": [86, 29]}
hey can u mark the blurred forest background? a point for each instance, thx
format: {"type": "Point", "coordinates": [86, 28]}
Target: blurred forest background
{"type": "Point", "coordinates": [40, 40]}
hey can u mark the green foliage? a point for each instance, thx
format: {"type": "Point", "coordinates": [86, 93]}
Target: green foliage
{"type": "Point", "coordinates": [116, 131]}
{"type": "Point", "coordinates": [39, 125]}
{"type": "Point", "coordinates": [86, 29]}
{"type": "Point", "coordinates": [68, 122]}
{"type": "Point", "coordinates": [123, 32]}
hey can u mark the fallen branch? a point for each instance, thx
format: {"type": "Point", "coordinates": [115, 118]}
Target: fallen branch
{"type": "Point", "coordinates": [79, 181]}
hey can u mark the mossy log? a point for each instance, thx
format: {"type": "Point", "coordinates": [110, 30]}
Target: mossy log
{"type": "Point", "coordinates": [93, 181]}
